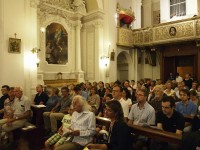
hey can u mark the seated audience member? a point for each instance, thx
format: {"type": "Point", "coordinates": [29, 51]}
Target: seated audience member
{"type": "Point", "coordinates": [41, 97]}
{"type": "Point", "coordinates": [22, 111]}
{"type": "Point", "coordinates": [83, 125]}
{"type": "Point", "coordinates": [188, 81]}
{"type": "Point", "coordinates": [58, 112]}
{"type": "Point", "coordinates": [194, 85]}
{"type": "Point", "coordinates": [119, 132]}
{"type": "Point", "coordinates": [194, 97]}
{"type": "Point", "coordinates": [53, 99]}
{"type": "Point", "coordinates": [126, 95]}
{"type": "Point", "coordinates": [107, 95]}
{"type": "Point", "coordinates": [62, 135]}
{"type": "Point", "coordinates": [178, 88]}
{"type": "Point", "coordinates": [94, 100]}
{"type": "Point", "coordinates": [178, 78]}
{"type": "Point", "coordinates": [101, 90]}
{"type": "Point", "coordinates": [117, 95]}
{"type": "Point", "coordinates": [71, 90]}
{"type": "Point", "coordinates": [151, 90]}
{"type": "Point", "coordinates": [168, 120]}
{"type": "Point", "coordinates": [142, 113]}
{"type": "Point", "coordinates": [158, 95]}
{"type": "Point", "coordinates": [127, 86]}
{"type": "Point", "coordinates": [8, 109]}
{"type": "Point", "coordinates": [187, 108]}
{"type": "Point", "coordinates": [79, 91]}
{"type": "Point", "coordinates": [4, 90]}
{"type": "Point", "coordinates": [169, 91]}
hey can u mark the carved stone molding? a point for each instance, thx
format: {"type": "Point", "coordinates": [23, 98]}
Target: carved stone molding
{"type": "Point", "coordinates": [188, 29]}
{"type": "Point", "coordinates": [125, 37]}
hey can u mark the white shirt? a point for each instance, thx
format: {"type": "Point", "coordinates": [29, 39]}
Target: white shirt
{"type": "Point", "coordinates": [125, 107]}
{"type": "Point", "coordinates": [85, 122]}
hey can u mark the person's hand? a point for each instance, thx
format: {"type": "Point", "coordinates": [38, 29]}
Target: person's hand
{"type": "Point", "coordinates": [75, 133]}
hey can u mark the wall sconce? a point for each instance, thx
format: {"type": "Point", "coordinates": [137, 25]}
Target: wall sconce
{"type": "Point", "coordinates": [105, 60]}
{"type": "Point", "coordinates": [42, 29]}
{"type": "Point", "coordinates": [35, 51]}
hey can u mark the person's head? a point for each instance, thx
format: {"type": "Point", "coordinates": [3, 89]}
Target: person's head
{"type": "Point", "coordinates": [126, 83]}
{"type": "Point", "coordinates": [107, 85]}
{"type": "Point", "coordinates": [93, 90]}
{"type": "Point", "coordinates": [153, 83]}
{"type": "Point", "coordinates": [80, 104]}
{"type": "Point", "coordinates": [114, 110]}
{"type": "Point", "coordinates": [55, 91]}
{"type": "Point", "coordinates": [194, 85]}
{"type": "Point", "coordinates": [180, 86]}
{"type": "Point", "coordinates": [39, 88]}
{"type": "Point", "coordinates": [141, 95]}
{"type": "Point", "coordinates": [77, 90]}
{"type": "Point", "coordinates": [159, 81]}
{"type": "Point", "coordinates": [187, 76]}
{"type": "Point", "coordinates": [71, 87]}
{"type": "Point", "coordinates": [184, 95]}
{"type": "Point", "coordinates": [101, 84]}
{"type": "Point", "coordinates": [117, 92]}
{"type": "Point", "coordinates": [5, 89]}
{"type": "Point", "coordinates": [94, 83]}
{"type": "Point", "coordinates": [11, 94]}
{"type": "Point", "coordinates": [168, 85]}
{"type": "Point", "coordinates": [65, 91]}
{"type": "Point", "coordinates": [88, 85]}
{"type": "Point", "coordinates": [168, 105]}
{"type": "Point", "coordinates": [193, 95]}
{"type": "Point", "coordinates": [158, 91]}
{"type": "Point", "coordinates": [132, 82]}
{"type": "Point", "coordinates": [126, 93]}
{"type": "Point", "coordinates": [18, 91]}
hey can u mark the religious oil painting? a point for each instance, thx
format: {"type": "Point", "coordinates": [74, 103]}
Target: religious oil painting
{"type": "Point", "coordinates": [14, 45]}
{"type": "Point", "coordinates": [56, 44]}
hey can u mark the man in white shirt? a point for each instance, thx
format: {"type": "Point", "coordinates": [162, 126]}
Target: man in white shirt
{"type": "Point", "coordinates": [22, 111]}
{"type": "Point", "coordinates": [117, 95]}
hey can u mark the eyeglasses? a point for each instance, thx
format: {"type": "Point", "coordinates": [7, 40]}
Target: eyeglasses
{"type": "Point", "coordinates": [163, 107]}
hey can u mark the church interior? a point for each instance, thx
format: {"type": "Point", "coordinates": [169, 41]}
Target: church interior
{"type": "Point", "coordinates": [61, 42]}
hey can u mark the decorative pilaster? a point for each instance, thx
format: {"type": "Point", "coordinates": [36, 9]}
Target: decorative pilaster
{"type": "Point", "coordinates": [78, 46]}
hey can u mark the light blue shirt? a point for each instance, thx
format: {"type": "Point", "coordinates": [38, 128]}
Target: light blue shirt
{"type": "Point", "coordinates": [189, 109]}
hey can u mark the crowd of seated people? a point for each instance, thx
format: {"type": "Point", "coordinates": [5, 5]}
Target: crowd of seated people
{"type": "Point", "coordinates": [144, 103]}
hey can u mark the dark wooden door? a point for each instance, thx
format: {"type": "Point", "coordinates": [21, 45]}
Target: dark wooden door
{"type": "Point", "coordinates": [169, 66]}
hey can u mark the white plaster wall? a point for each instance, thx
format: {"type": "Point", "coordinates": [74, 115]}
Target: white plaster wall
{"type": "Point", "coordinates": [17, 17]}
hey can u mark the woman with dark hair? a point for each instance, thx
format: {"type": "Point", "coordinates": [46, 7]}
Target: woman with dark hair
{"type": "Point", "coordinates": [127, 97]}
{"type": "Point", "coordinates": [119, 133]}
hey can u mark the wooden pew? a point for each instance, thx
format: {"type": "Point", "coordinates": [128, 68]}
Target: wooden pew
{"type": "Point", "coordinates": [103, 121]}
{"type": "Point", "coordinates": [148, 132]}
{"type": "Point", "coordinates": [157, 134]}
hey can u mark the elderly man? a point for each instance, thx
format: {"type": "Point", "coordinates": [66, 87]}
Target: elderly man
{"type": "Point", "coordinates": [83, 125]}
{"type": "Point", "coordinates": [22, 111]}
{"type": "Point", "coordinates": [156, 101]}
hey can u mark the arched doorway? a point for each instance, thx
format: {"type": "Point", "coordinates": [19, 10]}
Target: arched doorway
{"type": "Point", "coordinates": [123, 66]}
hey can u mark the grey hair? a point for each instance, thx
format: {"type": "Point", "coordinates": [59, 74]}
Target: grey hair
{"type": "Point", "coordinates": [83, 102]}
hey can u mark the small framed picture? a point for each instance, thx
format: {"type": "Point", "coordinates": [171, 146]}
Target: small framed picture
{"type": "Point", "coordinates": [14, 45]}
